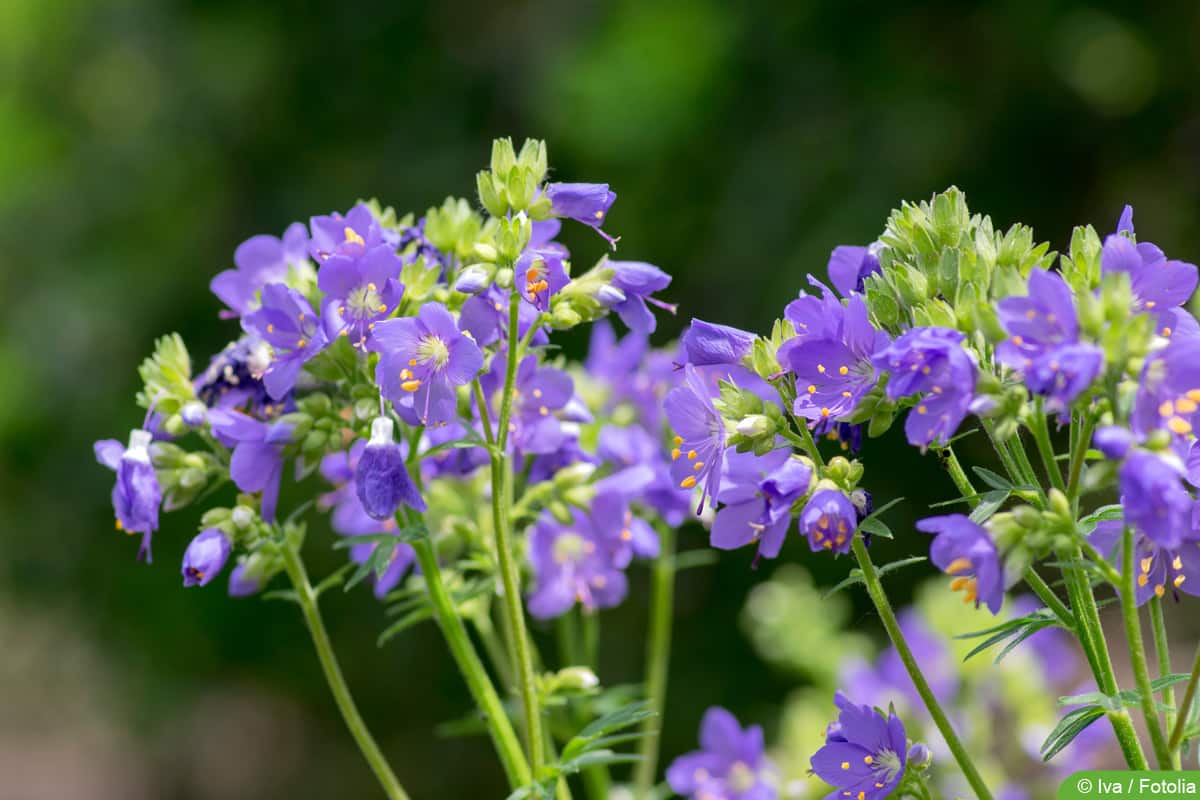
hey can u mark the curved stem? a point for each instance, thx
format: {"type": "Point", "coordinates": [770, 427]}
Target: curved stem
{"type": "Point", "coordinates": [1137, 651]}
{"type": "Point", "coordinates": [658, 656]}
{"type": "Point", "coordinates": [484, 693]}
{"type": "Point", "coordinates": [307, 598]}
{"type": "Point", "coordinates": [1185, 708]}
{"type": "Point", "coordinates": [884, 608]}
{"type": "Point", "coordinates": [1163, 651]}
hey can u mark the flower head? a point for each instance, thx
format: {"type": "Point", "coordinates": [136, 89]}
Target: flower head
{"type": "Point", "coordinates": [542, 273]}
{"type": "Point", "coordinates": [287, 323]}
{"type": "Point", "coordinates": [573, 562]}
{"type": "Point", "coordinates": [359, 273]}
{"type": "Point", "coordinates": [1168, 394]}
{"type": "Point", "coordinates": [1158, 284]}
{"type": "Point", "coordinates": [758, 492]}
{"type": "Point", "coordinates": [260, 260]}
{"type": "Point", "coordinates": [731, 763]}
{"type": "Point", "coordinates": [257, 461]}
{"type": "Point", "coordinates": [586, 203]}
{"type": "Point", "coordinates": [865, 753]}
{"type": "Point", "coordinates": [706, 343]}
{"type": "Point", "coordinates": [422, 360]}
{"type": "Point", "coordinates": [136, 496]}
{"type": "Point", "coordinates": [829, 520]}
{"type": "Point", "coordinates": [699, 436]}
{"type": "Point", "coordinates": [1154, 499]}
{"type": "Point", "coordinates": [636, 281]}
{"type": "Point", "coordinates": [963, 550]}
{"type": "Point", "coordinates": [1159, 568]}
{"type": "Point", "coordinates": [381, 477]}
{"type": "Point", "coordinates": [205, 557]}
{"type": "Point", "coordinates": [849, 266]}
{"type": "Point", "coordinates": [931, 362]}
{"type": "Point", "coordinates": [485, 317]}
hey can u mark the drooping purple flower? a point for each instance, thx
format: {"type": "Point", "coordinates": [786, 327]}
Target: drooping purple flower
{"type": "Point", "coordinates": [586, 203]}
{"type": "Point", "coordinates": [833, 374]}
{"type": "Point", "coordinates": [1043, 341]}
{"type": "Point", "coordinates": [259, 260]}
{"type": "Point", "coordinates": [572, 563]}
{"type": "Point", "coordinates": [636, 281]}
{"type": "Point", "coordinates": [205, 557]}
{"type": "Point", "coordinates": [136, 495]}
{"type": "Point", "coordinates": [699, 437]}
{"type": "Point", "coordinates": [1155, 501]}
{"type": "Point", "coordinates": [864, 754]}
{"type": "Point", "coordinates": [1158, 284]}
{"type": "Point", "coordinates": [285, 321]}
{"type": "Point", "coordinates": [829, 520]}
{"type": "Point", "coordinates": [1168, 394]}
{"type": "Point", "coordinates": [257, 462]}
{"type": "Point", "coordinates": [485, 317]}
{"type": "Point", "coordinates": [243, 581]}
{"type": "Point", "coordinates": [850, 265]}
{"type": "Point", "coordinates": [422, 360]}
{"type": "Point", "coordinates": [965, 551]}
{"type": "Point", "coordinates": [1159, 569]}
{"type": "Point", "coordinates": [931, 362]}
{"type": "Point", "coordinates": [540, 393]}
{"type": "Point", "coordinates": [381, 477]}
{"type": "Point", "coordinates": [731, 763]}
{"type": "Point", "coordinates": [757, 493]}
{"type": "Point", "coordinates": [707, 343]}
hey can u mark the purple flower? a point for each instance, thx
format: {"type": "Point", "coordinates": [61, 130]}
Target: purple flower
{"type": "Point", "coordinates": [833, 374]}
{"type": "Point", "coordinates": [259, 260]}
{"type": "Point", "coordinates": [1168, 395]}
{"type": "Point", "coordinates": [485, 317]}
{"type": "Point", "coordinates": [631, 374]}
{"type": "Point", "coordinates": [1160, 569]}
{"type": "Point", "coordinates": [540, 393]}
{"type": "Point", "coordinates": [243, 581]}
{"type": "Point", "coordinates": [706, 343]}
{"type": "Point", "coordinates": [699, 435]}
{"type": "Point", "coordinates": [1113, 441]}
{"type": "Point", "coordinates": [352, 233]}
{"type": "Point", "coordinates": [136, 496]}
{"type": "Point", "coordinates": [1155, 501]}
{"type": "Point", "coordinates": [1043, 341]}
{"type": "Point", "coordinates": [586, 203]}
{"type": "Point", "coordinates": [636, 281]}
{"type": "Point", "coordinates": [931, 362]}
{"type": "Point", "coordinates": [381, 477]}
{"type": "Point", "coordinates": [634, 447]}
{"type": "Point", "coordinates": [731, 763]}
{"type": "Point", "coordinates": [205, 557]}
{"type": "Point", "coordinates": [423, 359]}
{"type": "Point", "coordinates": [814, 317]}
{"type": "Point", "coordinates": [257, 462]}
{"type": "Point", "coordinates": [544, 274]}
{"type": "Point", "coordinates": [758, 492]}
{"type": "Point", "coordinates": [573, 563]}
{"type": "Point", "coordinates": [829, 520]}
{"type": "Point", "coordinates": [849, 266]}
{"type": "Point", "coordinates": [233, 378]}
{"type": "Point", "coordinates": [1158, 284]}
{"type": "Point", "coordinates": [965, 551]}
{"type": "Point", "coordinates": [627, 536]}
{"type": "Point", "coordinates": [285, 321]}
{"type": "Point", "coordinates": [865, 753]}
{"type": "Point", "coordinates": [359, 274]}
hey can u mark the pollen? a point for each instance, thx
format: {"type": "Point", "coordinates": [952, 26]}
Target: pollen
{"type": "Point", "coordinates": [699, 465]}
{"type": "Point", "coordinates": [1018, 341]}
{"type": "Point", "coordinates": [1166, 332]}
{"type": "Point", "coordinates": [676, 453]}
{"type": "Point", "coordinates": [812, 389]}
{"type": "Point", "coordinates": [1146, 562]}
{"type": "Point", "coordinates": [843, 370]}
{"type": "Point", "coordinates": [411, 386]}
{"type": "Point", "coordinates": [1193, 394]}
{"type": "Point", "coordinates": [537, 393]}
{"type": "Point", "coordinates": [599, 215]}
{"type": "Point", "coordinates": [1185, 406]}
{"type": "Point", "coordinates": [1179, 579]}
{"type": "Point", "coordinates": [371, 287]}
{"type": "Point", "coordinates": [543, 410]}
{"type": "Point", "coordinates": [845, 765]}
{"type": "Point", "coordinates": [352, 235]}
{"type": "Point", "coordinates": [1179, 425]}
{"type": "Point", "coordinates": [847, 394]}
{"type": "Point", "coordinates": [117, 524]}
{"type": "Point", "coordinates": [1031, 314]}
{"type": "Point", "coordinates": [270, 328]}
{"type": "Point", "coordinates": [382, 307]}
{"type": "Point", "coordinates": [1143, 579]}
{"type": "Point", "coordinates": [821, 368]}
{"type": "Point", "coordinates": [301, 343]}
{"type": "Point", "coordinates": [688, 482]}
{"type": "Point", "coordinates": [824, 412]}
{"type": "Point", "coordinates": [412, 362]}
{"type": "Point", "coordinates": [626, 534]}
{"type": "Point", "coordinates": [868, 760]}
{"type": "Point", "coordinates": [691, 455]}
{"type": "Point", "coordinates": [1177, 563]}
{"type": "Point", "coordinates": [1166, 409]}
{"type": "Point", "coordinates": [678, 440]}
{"type": "Point", "coordinates": [921, 409]}
{"type": "Point", "coordinates": [1150, 304]}
{"type": "Point", "coordinates": [1159, 590]}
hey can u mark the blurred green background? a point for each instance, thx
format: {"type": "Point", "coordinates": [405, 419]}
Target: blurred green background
{"type": "Point", "coordinates": [141, 141]}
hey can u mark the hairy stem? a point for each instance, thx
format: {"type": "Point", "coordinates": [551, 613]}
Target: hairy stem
{"type": "Point", "coordinates": [307, 598]}
{"type": "Point", "coordinates": [1162, 651]}
{"type": "Point", "coordinates": [1041, 436]}
{"type": "Point", "coordinates": [1185, 708]}
{"type": "Point", "coordinates": [884, 608]}
{"type": "Point", "coordinates": [658, 656]}
{"type": "Point", "coordinates": [1137, 650]}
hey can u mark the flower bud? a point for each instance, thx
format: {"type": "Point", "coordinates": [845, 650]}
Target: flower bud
{"type": "Point", "coordinates": [504, 278]}
{"type": "Point", "coordinates": [472, 280]}
{"type": "Point", "coordinates": [486, 252]}
{"type": "Point", "coordinates": [205, 557]}
{"type": "Point", "coordinates": [609, 296]}
{"type": "Point", "coordinates": [920, 757]}
{"type": "Point", "coordinates": [381, 476]}
{"type": "Point", "coordinates": [1113, 441]}
{"type": "Point", "coordinates": [243, 517]}
{"type": "Point", "coordinates": [755, 425]}
{"type": "Point", "coordinates": [193, 413]}
{"type": "Point", "coordinates": [576, 678]}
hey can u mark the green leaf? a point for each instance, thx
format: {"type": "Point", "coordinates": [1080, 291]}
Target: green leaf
{"type": "Point", "coordinates": [410, 534]}
{"type": "Point", "coordinates": [282, 594]}
{"type": "Point", "coordinates": [410, 619]}
{"type": "Point", "coordinates": [989, 503]}
{"type": "Point", "coordinates": [892, 566]}
{"type": "Point", "coordinates": [1068, 728]}
{"type": "Point", "coordinates": [695, 558]}
{"type": "Point", "coordinates": [992, 479]}
{"type": "Point", "coordinates": [876, 527]}
{"type": "Point", "coordinates": [855, 577]}
{"type": "Point", "coordinates": [883, 508]}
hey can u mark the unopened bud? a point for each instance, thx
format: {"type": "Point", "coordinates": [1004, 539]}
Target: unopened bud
{"type": "Point", "coordinates": [472, 280]}
{"type": "Point", "coordinates": [755, 425]}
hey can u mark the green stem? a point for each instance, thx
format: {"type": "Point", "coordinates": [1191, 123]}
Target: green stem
{"type": "Point", "coordinates": [884, 608]}
{"type": "Point", "coordinates": [573, 650]}
{"type": "Point", "coordinates": [1047, 596]}
{"type": "Point", "coordinates": [307, 598]}
{"type": "Point", "coordinates": [959, 476]}
{"type": "Point", "coordinates": [499, 658]}
{"type": "Point", "coordinates": [1079, 447]}
{"type": "Point", "coordinates": [1137, 651]}
{"type": "Point", "coordinates": [505, 555]}
{"type": "Point", "coordinates": [504, 738]}
{"type": "Point", "coordinates": [1185, 708]}
{"type": "Point", "coordinates": [1041, 437]}
{"type": "Point", "coordinates": [658, 655]}
{"type": "Point", "coordinates": [1162, 651]}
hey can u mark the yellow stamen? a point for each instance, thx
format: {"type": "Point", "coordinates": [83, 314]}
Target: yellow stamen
{"type": "Point", "coordinates": [688, 482]}
{"type": "Point", "coordinates": [868, 760]}
{"type": "Point", "coordinates": [691, 455]}
{"type": "Point", "coordinates": [1150, 304]}
{"type": "Point", "coordinates": [845, 765]}
{"type": "Point", "coordinates": [699, 465]}
{"type": "Point", "coordinates": [843, 370]}
{"type": "Point", "coordinates": [410, 386]}
{"type": "Point", "coordinates": [1166, 409]}
{"type": "Point", "coordinates": [1143, 580]}
{"type": "Point", "coordinates": [812, 389]}
{"type": "Point", "coordinates": [1179, 425]}
{"type": "Point", "coordinates": [921, 409]}
{"type": "Point", "coordinates": [352, 235]}
{"type": "Point", "coordinates": [678, 440]}
{"type": "Point", "coordinates": [1146, 562]}
{"type": "Point", "coordinates": [1179, 579]}
{"type": "Point", "coordinates": [301, 343]}
{"type": "Point", "coordinates": [626, 534]}
{"type": "Point", "coordinates": [1166, 332]}
{"type": "Point", "coordinates": [1177, 563]}
{"type": "Point", "coordinates": [1159, 590]}
{"type": "Point", "coordinates": [676, 453]}
{"type": "Point", "coordinates": [1185, 406]}
{"type": "Point", "coordinates": [821, 368]}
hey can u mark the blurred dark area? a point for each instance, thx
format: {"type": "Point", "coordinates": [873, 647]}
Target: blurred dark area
{"type": "Point", "coordinates": [141, 141]}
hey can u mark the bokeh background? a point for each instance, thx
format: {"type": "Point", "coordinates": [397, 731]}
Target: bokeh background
{"type": "Point", "coordinates": [140, 141]}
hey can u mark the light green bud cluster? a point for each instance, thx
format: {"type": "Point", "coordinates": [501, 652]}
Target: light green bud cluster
{"type": "Point", "coordinates": [514, 179]}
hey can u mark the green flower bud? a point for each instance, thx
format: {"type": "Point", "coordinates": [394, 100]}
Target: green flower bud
{"type": "Point", "coordinates": [490, 196]}
{"type": "Point", "coordinates": [504, 278]}
{"type": "Point", "coordinates": [576, 679]}
{"type": "Point", "coordinates": [504, 157]}
{"type": "Point", "coordinates": [578, 474]}
{"type": "Point", "coordinates": [487, 252]}
{"type": "Point", "coordinates": [560, 512]}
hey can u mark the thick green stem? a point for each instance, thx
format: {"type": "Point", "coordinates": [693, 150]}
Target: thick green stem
{"type": "Point", "coordinates": [574, 651]}
{"type": "Point", "coordinates": [504, 738]}
{"type": "Point", "coordinates": [884, 608]}
{"type": "Point", "coordinates": [307, 598]}
{"type": "Point", "coordinates": [1137, 651]}
{"type": "Point", "coordinates": [1079, 447]}
{"type": "Point", "coordinates": [1162, 651]}
{"type": "Point", "coordinates": [505, 555]}
{"type": "Point", "coordinates": [1185, 708]}
{"type": "Point", "coordinates": [658, 656]}
{"type": "Point", "coordinates": [1041, 436]}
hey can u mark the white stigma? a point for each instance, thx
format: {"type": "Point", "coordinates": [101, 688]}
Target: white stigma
{"type": "Point", "coordinates": [139, 446]}
{"type": "Point", "coordinates": [382, 432]}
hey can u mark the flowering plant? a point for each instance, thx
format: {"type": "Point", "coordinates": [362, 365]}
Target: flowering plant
{"type": "Point", "coordinates": [478, 479]}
